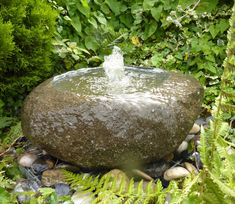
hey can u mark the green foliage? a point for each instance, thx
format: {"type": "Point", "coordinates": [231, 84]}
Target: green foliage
{"type": "Point", "coordinates": [109, 189]}
{"type": "Point", "coordinates": [194, 34]}
{"type": "Point", "coordinates": [215, 182]}
{"type": "Point", "coordinates": [26, 31]}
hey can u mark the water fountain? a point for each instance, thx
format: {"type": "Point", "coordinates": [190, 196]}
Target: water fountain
{"type": "Point", "coordinates": [97, 117]}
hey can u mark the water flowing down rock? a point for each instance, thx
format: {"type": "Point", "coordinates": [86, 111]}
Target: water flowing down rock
{"type": "Point", "coordinates": [79, 118]}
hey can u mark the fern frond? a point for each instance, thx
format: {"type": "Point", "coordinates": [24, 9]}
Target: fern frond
{"type": "Point", "coordinates": [204, 154]}
{"type": "Point", "coordinates": [223, 187]}
{"type": "Point", "coordinates": [212, 193]}
{"type": "Point", "coordinates": [117, 191]}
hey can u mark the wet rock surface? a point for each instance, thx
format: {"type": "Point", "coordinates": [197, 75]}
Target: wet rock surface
{"type": "Point", "coordinates": [109, 131]}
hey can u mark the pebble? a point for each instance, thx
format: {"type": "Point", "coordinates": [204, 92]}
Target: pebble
{"type": "Point", "coordinates": [52, 177]}
{"type": "Point", "coordinates": [195, 129]}
{"type": "Point", "coordinates": [191, 168]}
{"type": "Point", "coordinates": [189, 137]}
{"type": "Point", "coordinates": [105, 198]}
{"type": "Point", "coordinates": [68, 167]}
{"type": "Point", "coordinates": [62, 189]}
{"type": "Point", "coordinates": [82, 198]}
{"type": "Point", "coordinates": [208, 119]}
{"type": "Point", "coordinates": [175, 173]}
{"type": "Point", "coordinates": [183, 146]}
{"type": "Point", "coordinates": [24, 186]}
{"type": "Point", "coordinates": [27, 159]}
{"type": "Point", "coordinates": [197, 140]}
{"type": "Point", "coordinates": [201, 121]}
{"type": "Point", "coordinates": [230, 150]}
{"type": "Point", "coordinates": [197, 159]}
{"type": "Point", "coordinates": [119, 176]}
{"type": "Point", "coordinates": [142, 174]}
{"type": "Point", "coordinates": [40, 165]}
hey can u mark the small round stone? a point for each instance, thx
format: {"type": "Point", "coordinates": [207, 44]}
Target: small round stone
{"type": "Point", "coordinates": [25, 186]}
{"type": "Point", "coordinates": [175, 173]}
{"type": "Point", "coordinates": [191, 168]}
{"type": "Point", "coordinates": [62, 189]}
{"type": "Point", "coordinates": [142, 174]}
{"type": "Point", "coordinates": [119, 176]}
{"type": "Point", "coordinates": [27, 159]}
{"type": "Point", "coordinates": [195, 129]}
{"type": "Point", "coordinates": [52, 177]}
{"type": "Point", "coordinates": [189, 137]}
{"type": "Point", "coordinates": [40, 165]}
{"type": "Point", "coordinates": [82, 198]}
{"type": "Point", "coordinates": [183, 146]}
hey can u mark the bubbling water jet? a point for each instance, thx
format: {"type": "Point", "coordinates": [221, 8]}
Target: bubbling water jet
{"type": "Point", "coordinates": [114, 65]}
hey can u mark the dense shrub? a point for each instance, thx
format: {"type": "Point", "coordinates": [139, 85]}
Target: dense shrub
{"type": "Point", "coordinates": [26, 31]}
{"type": "Point", "coordinates": [173, 34]}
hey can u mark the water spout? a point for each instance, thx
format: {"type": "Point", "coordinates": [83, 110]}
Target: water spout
{"type": "Point", "coordinates": [114, 65]}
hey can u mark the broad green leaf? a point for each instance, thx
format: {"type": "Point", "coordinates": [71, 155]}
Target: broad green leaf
{"type": "Point", "coordinates": [186, 3]}
{"type": "Point", "coordinates": [206, 5]}
{"type": "Point", "coordinates": [156, 59]}
{"type": "Point", "coordinates": [148, 4]}
{"type": "Point", "coordinates": [156, 12]}
{"type": "Point", "coordinates": [126, 20]}
{"type": "Point", "coordinates": [115, 6]}
{"type": "Point", "coordinates": [100, 17]}
{"type": "Point", "coordinates": [223, 25]}
{"type": "Point", "coordinates": [150, 29]}
{"type": "Point", "coordinates": [84, 8]}
{"type": "Point", "coordinates": [91, 43]}
{"type": "Point", "coordinates": [85, 4]}
{"type": "Point", "coordinates": [210, 58]}
{"type": "Point", "coordinates": [93, 22]}
{"type": "Point", "coordinates": [5, 197]}
{"type": "Point", "coordinates": [76, 23]}
{"type": "Point", "coordinates": [211, 68]}
{"type": "Point", "coordinates": [214, 30]}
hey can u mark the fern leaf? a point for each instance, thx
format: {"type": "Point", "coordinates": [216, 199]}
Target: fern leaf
{"type": "Point", "coordinates": [131, 187]}
{"type": "Point", "coordinates": [140, 188]}
{"type": "Point", "coordinates": [159, 187]}
{"type": "Point", "coordinates": [223, 187]}
{"type": "Point", "coordinates": [150, 188]}
{"type": "Point", "coordinates": [122, 188]}
{"type": "Point", "coordinates": [203, 148]}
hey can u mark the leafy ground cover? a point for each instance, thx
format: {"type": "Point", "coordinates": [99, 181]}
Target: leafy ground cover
{"type": "Point", "coordinates": [190, 36]}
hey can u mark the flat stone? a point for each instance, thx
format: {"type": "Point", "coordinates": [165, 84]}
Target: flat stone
{"type": "Point", "coordinates": [175, 173]}
{"type": "Point", "coordinates": [109, 131]}
{"type": "Point", "coordinates": [81, 197]}
{"type": "Point", "coordinates": [191, 168]}
{"type": "Point", "coordinates": [25, 186]}
{"type": "Point", "coordinates": [52, 177]}
{"type": "Point", "coordinates": [27, 159]}
{"type": "Point", "coordinates": [62, 189]}
{"type": "Point", "coordinates": [189, 137]}
{"type": "Point", "coordinates": [195, 129]}
{"type": "Point", "coordinates": [183, 146]}
{"type": "Point", "coordinates": [120, 177]}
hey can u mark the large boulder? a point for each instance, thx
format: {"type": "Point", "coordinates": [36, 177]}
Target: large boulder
{"type": "Point", "coordinates": [96, 131]}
